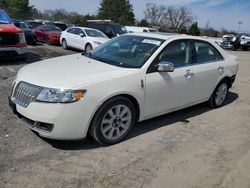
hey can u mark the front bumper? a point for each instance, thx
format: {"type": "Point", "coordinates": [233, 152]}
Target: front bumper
{"type": "Point", "coordinates": [227, 45]}
{"type": "Point", "coordinates": [55, 121]}
{"type": "Point", "coordinates": [10, 52]}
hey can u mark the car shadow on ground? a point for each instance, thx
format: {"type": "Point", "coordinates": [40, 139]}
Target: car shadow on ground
{"type": "Point", "coordinates": [31, 58]}
{"type": "Point", "coordinates": [143, 127]}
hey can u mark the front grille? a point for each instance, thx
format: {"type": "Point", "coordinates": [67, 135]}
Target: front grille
{"type": "Point", "coordinates": [24, 93]}
{"type": "Point", "coordinates": [9, 38]}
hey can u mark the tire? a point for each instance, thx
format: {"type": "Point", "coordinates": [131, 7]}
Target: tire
{"type": "Point", "coordinates": [64, 44]}
{"type": "Point", "coordinates": [219, 95]}
{"type": "Point", "coordinates": [107, 127]}
{"type": "Point", "coordinates": [47, 41]}
{"type": "Point", "coordinates": [34, 42]}
{"type": "Point", "coordinates": [88, 47]}
{"type": "Point", "coordinates": [244, 48]}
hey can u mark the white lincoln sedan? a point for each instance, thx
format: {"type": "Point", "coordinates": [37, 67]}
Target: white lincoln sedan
{"type": "Point", "coordinates": [82, 38]}
{"type": "Point", "coordinates": [128, 79]}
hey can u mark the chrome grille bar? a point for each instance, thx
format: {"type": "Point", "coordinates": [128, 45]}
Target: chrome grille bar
{"type": "Point", "coordinates": [24, 93]}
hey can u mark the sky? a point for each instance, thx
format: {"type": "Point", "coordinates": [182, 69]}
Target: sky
{"type": "Point", "coordinates": [220, 14]}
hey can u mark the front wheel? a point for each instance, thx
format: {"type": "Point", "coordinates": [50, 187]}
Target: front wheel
{"type": "Point", "coordinates": [113, 121]}
{"type": "Point", "coordinates": [64, 44]}
{"type": "Point", "coordinates": [219, 95]}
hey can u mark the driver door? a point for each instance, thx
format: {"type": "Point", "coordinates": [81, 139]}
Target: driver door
{"type": "Point", "coordinates": [168, 91]}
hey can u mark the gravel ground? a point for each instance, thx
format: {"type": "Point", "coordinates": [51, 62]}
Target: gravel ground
{"type": "Point", "coordinates": [194, 147]}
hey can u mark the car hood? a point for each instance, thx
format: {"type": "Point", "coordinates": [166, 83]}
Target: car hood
{"type": "Point", "coordinates": [9, 28]}
{"type": "Point", "coordinates": [68, 72]}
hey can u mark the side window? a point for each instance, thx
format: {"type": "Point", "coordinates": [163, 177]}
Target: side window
{"type": "Point", "coordinates": [72, 31]}
{"type": "Point", "coordinates": [177, 52]}
{"type": "Point", "coordinates": [79, 31]}
{"type": "Point", "coordinates": [205, 52]}
{"type": "Point", "coordinates": [145, 31]}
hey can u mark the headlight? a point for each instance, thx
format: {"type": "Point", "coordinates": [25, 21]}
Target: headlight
{"type": "Point", "coordinates": [97, 43]}
{"type": "Point", "coordinates": [60, 96]}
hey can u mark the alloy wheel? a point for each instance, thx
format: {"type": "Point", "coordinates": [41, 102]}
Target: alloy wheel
{"type": "Point", "coordinates": [116, 122]}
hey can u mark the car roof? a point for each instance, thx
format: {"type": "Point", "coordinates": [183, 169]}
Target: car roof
{"type": "Point", "coordinates": [167, 36]}
{"type": "Point", "coordinates": [83, 28]}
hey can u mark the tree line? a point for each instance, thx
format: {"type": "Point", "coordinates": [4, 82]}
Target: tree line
{"type": "Point", "coordinates": [165, 18]}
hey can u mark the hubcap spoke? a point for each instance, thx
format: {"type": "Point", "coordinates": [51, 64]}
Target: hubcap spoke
{"type": "Point", "coordinates": [111, 133]}
{"type": "Point", "coordinates": [118, 110]}
{"type": "Point", "coordinates": [118, 132]}
{"type": "Point", "coordinates": [107, 128]}
{"type": "Point", "coordinates": [111, 113]}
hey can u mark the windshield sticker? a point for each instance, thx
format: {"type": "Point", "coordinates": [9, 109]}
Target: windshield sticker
{"type": "Point", "coordinates": [149, 41]}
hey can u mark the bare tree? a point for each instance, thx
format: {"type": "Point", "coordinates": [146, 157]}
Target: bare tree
{"type": "Point", "coordinates": [171, 17]}
{"type": "Point", "coordinates": [179, 17]}
{"type": "Point", "coordinates": [155, 14]}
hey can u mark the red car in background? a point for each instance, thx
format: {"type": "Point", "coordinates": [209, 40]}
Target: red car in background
{"type": "Point", "coordinates": [48, 33]}
{"type": "Point", "coordinates": [12, 39]}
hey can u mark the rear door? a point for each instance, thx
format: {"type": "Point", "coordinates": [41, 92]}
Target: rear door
{"type": "Point", "coordinates": [69, 35]}
{"type": "Point", "coordinates": [208, 69]}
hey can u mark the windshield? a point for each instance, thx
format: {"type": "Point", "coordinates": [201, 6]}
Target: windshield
{"type": "Point", "coordinates": [21, 25]}
{"type": "Point", "coordinates": [52, 28]}
{"type": "Point", "coordinates": [120, 29]}
{"type": "Point", "coordinates": [228, 39]}
{"type": "Point", "coordinates": [94, 33]}
{"type": "Point", "coordinates": [4, 18]}
{"type": "Point", "coordinates": [126, 51]}
{"type": "Point", "coordinates": [153, 31]}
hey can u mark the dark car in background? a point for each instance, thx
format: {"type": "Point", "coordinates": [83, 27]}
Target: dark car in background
{"type": "Point", "coordinates": [48, 33]}
{"type": "Point", "coordinates": [29, 34]}
{"type": "Point", "coordinates": [33, 24]}
{"type": "Point", "coordinates": [60, 25]}
{"type": "Point", "coordinates": [107, 27]}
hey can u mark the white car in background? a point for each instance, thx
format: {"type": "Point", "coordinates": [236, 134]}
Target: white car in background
{"type": "Point", "coordinates": [128, 79]}
{"type": "Point", "coordinates": [82, 38]}
{"type": "Point", "coordinates": [135, 29]}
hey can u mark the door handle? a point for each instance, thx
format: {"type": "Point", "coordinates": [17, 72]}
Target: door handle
{"type": "Point", "coordinates": [221, 69]}
{"type": "Point", "coordinates": [189, 74]}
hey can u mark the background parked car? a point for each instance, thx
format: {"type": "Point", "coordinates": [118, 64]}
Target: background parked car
{"type": "Point", "coordinates": [230, 42]}
{"type": "Point", "coordinates": [29, 34]}
{"type": "Point", "coordinates": [82, 38]}
{"type": "Point", "coordinates": [245, 41]}
{"type": "Point", "coordinates": [60, 25]}
{"type": "Point", "coordinates": [33, 24]}
{"type": "Point", "coordinates": [134, 29]}
{"type": "Point", "coordinates": [48, 33]}
{"type": "Point", "coordinates": [110, 29]}
{"type": "Point", "coordinates": [12, 39]}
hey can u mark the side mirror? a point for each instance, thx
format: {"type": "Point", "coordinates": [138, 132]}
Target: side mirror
{"type": "Point", "coordinates": [165, 66]}
{"type": "Point", "coordinates": [81, 35]}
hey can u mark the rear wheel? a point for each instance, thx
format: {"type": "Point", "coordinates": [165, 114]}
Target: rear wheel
{"type": "Point", "coordinates": [219, 95]}
{"type": "Point", "coordinates": [113, 121]}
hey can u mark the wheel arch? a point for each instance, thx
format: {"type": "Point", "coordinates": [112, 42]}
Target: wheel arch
{"type": "Point", "coordinates": [130, 97]}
